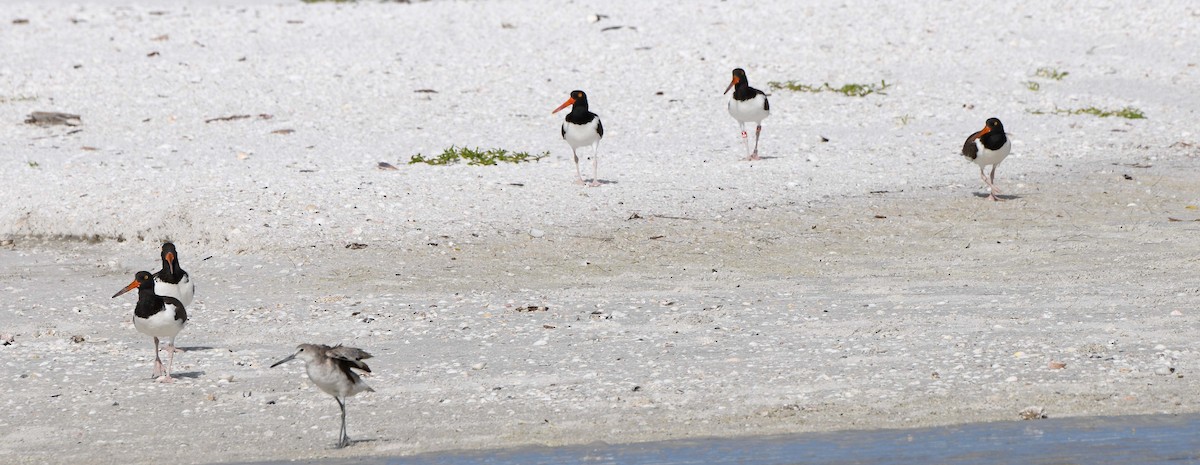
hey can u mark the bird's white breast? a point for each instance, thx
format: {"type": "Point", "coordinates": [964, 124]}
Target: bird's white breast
{"type": "Point", "coordinates": [990, 157]}
{"type": "Point", "coordinates": [184, 291]}
{"type": "Point", "coordinates": [161, 324]}
{"type": "Point", "coordinates": [749, 110]}
{"type": "Point", "coordinates": [579, 135]}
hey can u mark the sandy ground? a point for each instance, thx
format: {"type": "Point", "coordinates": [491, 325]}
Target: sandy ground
{"type": "Point", "coordinates": [852, 284]}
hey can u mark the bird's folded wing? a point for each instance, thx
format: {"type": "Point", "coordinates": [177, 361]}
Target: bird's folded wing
{"type": "Point", "coordinates": [351, 356]}
{"type": "Point", "coordinates": [970, 150]}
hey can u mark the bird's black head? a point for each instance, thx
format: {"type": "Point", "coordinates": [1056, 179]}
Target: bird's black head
{"type": "Point", "coordinates": [577, 100]}
{"type": "Point", "coordinates": [142, 281]}
{"type": "Point", "coordinates": [579, 97]}
{"type": "Point", "coordinates": [992, 126]}
{"type": "Point", "coordinates": [739, 80]}
{"type": "Point", "coordinates": [170, 258]}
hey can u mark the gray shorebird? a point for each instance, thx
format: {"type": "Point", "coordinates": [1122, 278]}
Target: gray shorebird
{"type": "Point", "coordinates": [158, 317]}
{"type": "Point", "coordinates": [332, 370]}
{"type": "Point", "coordinates": [748, 105]}
{"type": "Point", "coordinates": [989, 146]}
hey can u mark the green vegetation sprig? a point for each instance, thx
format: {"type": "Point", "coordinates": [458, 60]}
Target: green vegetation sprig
{"type": "Point", "coordinates": [1127, 112]}
{"type": "Point", "coordinates": [476, 157]}
{"type": "Point", "coordinates": [849, 90]}
{"type": "Point", "coordinates": [1051, 73]}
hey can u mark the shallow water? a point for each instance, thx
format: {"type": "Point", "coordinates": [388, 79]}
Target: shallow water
{"type": "Point", "coordinates": [1147, 440]}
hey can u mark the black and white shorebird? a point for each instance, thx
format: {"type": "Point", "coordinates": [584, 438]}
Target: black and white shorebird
{"type": "Point", "coordinates": [158, 317]}
{"type": "Point", "coordinates": [332, 370]}
{"type": "Point", "coordinates": [748, 105]}
{"type": "Point", "coordinates": [171, 280]}
{"type": "Point", "coordinates": [582, 128]}
{"type": "Point", "coordinates": [989, 146]}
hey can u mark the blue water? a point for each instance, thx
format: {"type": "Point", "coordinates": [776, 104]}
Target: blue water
{"type": "Point", "coordinates": [1146, 440]}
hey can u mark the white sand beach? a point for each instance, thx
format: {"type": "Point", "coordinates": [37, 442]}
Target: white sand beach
{"type": "Point", "coordinates": [856, 278]}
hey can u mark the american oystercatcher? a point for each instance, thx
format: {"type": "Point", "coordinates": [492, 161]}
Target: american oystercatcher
{"type": "Point", "coordinates": [582, 128]}
{"type": "Point", "coordinates": [989, 146]}
{"type": "Point", "coordinates": [171, 280]}
{"type": "Point", "coordinates": [748, 105]}
{"type": "Point", "coordinates": [158, 317]}
{"type": "Point", "coordinates": [331, 369]}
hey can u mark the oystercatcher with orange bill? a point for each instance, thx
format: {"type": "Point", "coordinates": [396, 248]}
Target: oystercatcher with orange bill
{"type": "Point", "coordinates": [158, 317]}
{"type": "Point", "coordinates": [580, 129]}
{"type": "Point", "coordinates": [171, 280]}
{"type": "Point", "coordinates": [748, 105]}
{"type": "Point", "coordinates": [989, 146]}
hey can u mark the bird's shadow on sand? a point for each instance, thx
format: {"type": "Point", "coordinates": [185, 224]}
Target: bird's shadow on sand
{"type": "Point", "coordinates": [984, 195]}
{"type": "Point", "coordinates": [761, 158]}
{"type": "Point", "coordinates": [352, 443]}
{"type": "Point", "coordinates": [188, 374]}
{"type": "Point", "coordinates": [603, 182]}
{"type": "Point", "coordinates": [193, 348]}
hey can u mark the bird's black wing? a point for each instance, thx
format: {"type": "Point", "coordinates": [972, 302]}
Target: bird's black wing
{"type": "Point", "coordinates": [180, 312]}
{"type": "Point", "coordinates": [970, 150]}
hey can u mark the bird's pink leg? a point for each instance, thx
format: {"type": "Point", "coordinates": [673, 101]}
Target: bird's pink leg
{"type": "Point", "coordinates": [158, 365]}
{"type": "Point", "coordinates": [579, 174]}
{"type": "Point", "coordinates": [745, 139]}
{"type": "Point", "coordinates": [992, 184]}
{"type": "Point", "coordinates": [166, 377]}
{"type": "Point", "coordinates": [596, 166]}
{"type": "Point", "coordinates": [754, 155]}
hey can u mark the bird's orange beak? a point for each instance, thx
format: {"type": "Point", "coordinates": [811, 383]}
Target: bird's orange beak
{"type": "Point", "coordinates": [986, 129]}
{"type": "Point", "coordinates": [569, 102]}
{"type": "Point", "coordinates": [731, 84]}
{"type": "Point", "coordinates": [171, 261]}
{"type": "Point", "coordinates": [130, 287]}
